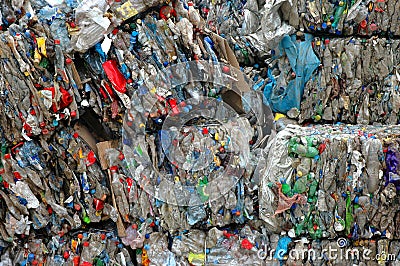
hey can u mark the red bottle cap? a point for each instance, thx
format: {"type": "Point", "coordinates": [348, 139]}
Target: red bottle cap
{"type": "Point", "coordinates": [76, 260]}
{"type": "Point", "coordinates": [91, 158]}
{"type": "Point", "coordinates": [98, 204]}
{"type": "Point", "coordinates": [225, 69]}
{"type": "Point", "coordinates": [66, 255]}
{"type": "Point", "coordinates": [363, 24]}
{"type": "Point", "coordinates": [17, 175]}
{"type": "Point", "coordinates": [57, 42]}
{"type": "Point", "coordinates": [68, 61]}
{"type": "Point", "coordinates": [85, 244]}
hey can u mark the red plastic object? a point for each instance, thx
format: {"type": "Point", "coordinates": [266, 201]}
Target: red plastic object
{"type": "Point", "coordinates": [226, 69]}
{"type": "Point", "coordinates": [363, 24]}
{"type": "Point", "coordinates": [129, 182]}
{"type": "Point", "coordinates": [108, 91]}
{"type": "Point", "coordinates": [17, 175]}
{"type": "Point", "coordinates": [76, 260]}
{"type": "Point", "coordinates": [91, 158]}
{"type": "Point", "coordinates": [66, 255]}
{"type": "Point", "coordinates": [98, 204]}
{"type": "Point", "coordinates": [115, 76]}
{"type": "Point", "coordinates": [322, 147]}
{"type": "Point", "coordinates": [173, 104]}
{"type": "Point", "coordinates": [66, 98]}
{"type": "Point", "coordinates": [166, 12]}
{"type": "Point", "coordinates": [246, 244]}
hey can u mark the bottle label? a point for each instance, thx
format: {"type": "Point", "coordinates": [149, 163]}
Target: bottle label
{"type": "Point", "coordinates": [127, 11]}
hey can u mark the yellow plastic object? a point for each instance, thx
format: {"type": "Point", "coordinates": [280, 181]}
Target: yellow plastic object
{"type": "Point", "coordinates": [197, 257]}
{"type": "Point", "coordinates": [41, 43]}
{"type": "Point", "coordinates": [279, 116]}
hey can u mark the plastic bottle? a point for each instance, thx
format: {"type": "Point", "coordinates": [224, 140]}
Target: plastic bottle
{"type": "Point", "coordinates": [194, 16]}
{"type": "Point", "coordinates": [48, 13]}
{"type": "Point", "coordinates": [338, 14]}
{"type": "Point", "coordinates": [59, 31]}
{"type": "Point", "coordinates": [59, 64]}
{"type": "Point", "coordinates": [86, 257]}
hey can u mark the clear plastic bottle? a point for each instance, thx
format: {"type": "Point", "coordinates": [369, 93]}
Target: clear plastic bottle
{"type": "Point", "coordinates": [59, 64]}
{"type": "Point", "coordinates": [86, 255]}
{"type": "Point", "coordinates": [59, 31]}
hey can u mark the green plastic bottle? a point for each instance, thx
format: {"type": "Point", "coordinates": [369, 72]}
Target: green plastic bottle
{"type": "Point", "coordinates": [339, 13]}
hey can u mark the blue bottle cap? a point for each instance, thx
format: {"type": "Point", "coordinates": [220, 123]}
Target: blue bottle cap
{"type": "Point", "coordinates": [31, 257]}
{"type": "Point", "coordinates": [324, 25]}
{"type": "Point", "coordinates": [356, 200]}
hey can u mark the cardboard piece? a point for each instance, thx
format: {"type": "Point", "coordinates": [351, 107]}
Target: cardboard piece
{"type": "Point", "coordinates": [232, 97]}
{"type": "Point", "coordinates": [85, 134]}
{"type": "Point", "coordinates": [102, 148]}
